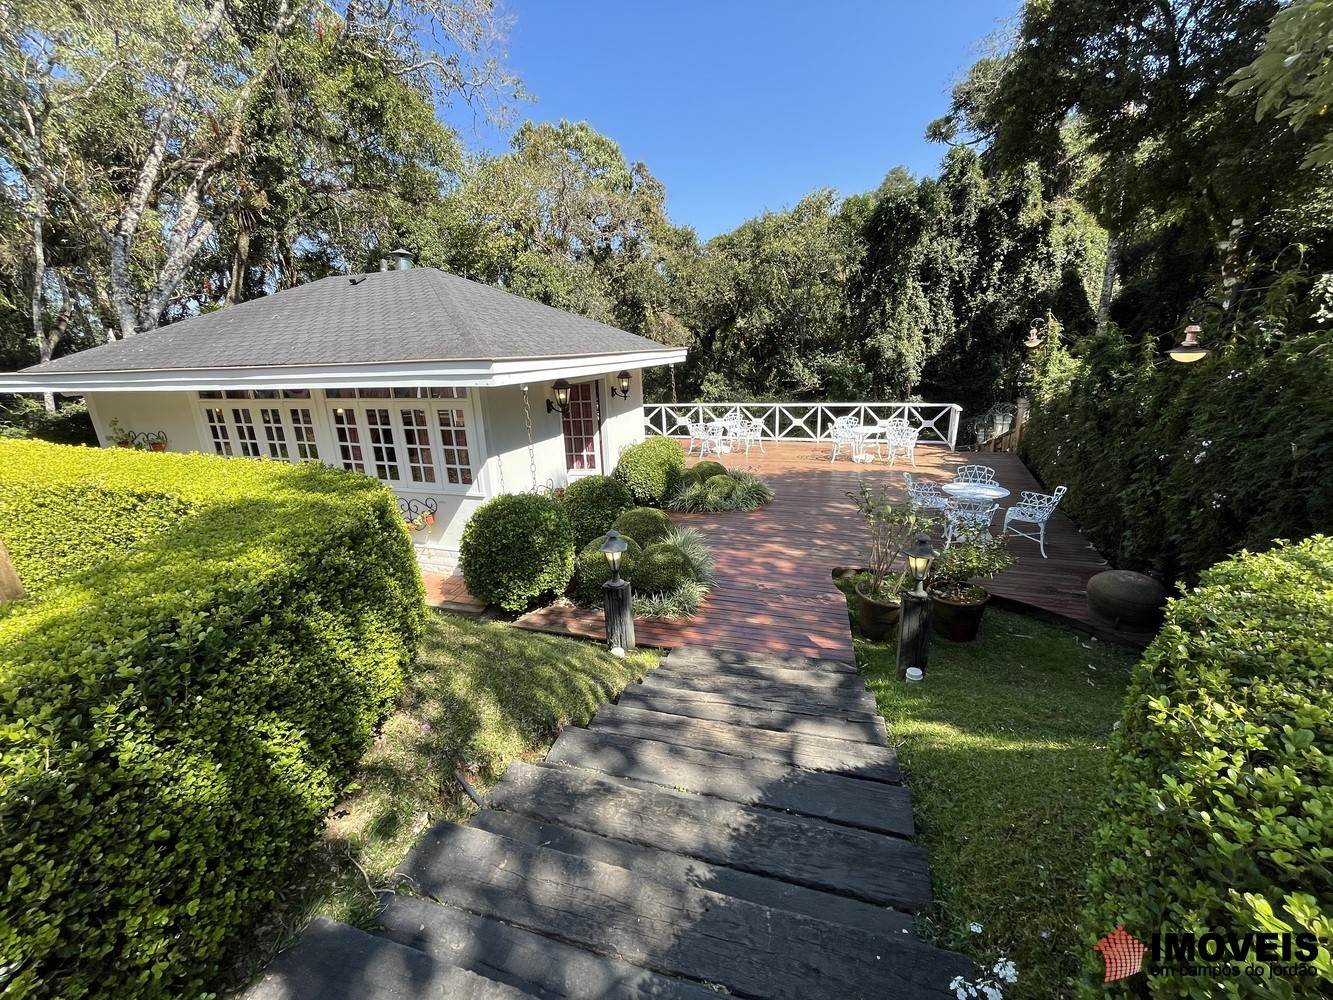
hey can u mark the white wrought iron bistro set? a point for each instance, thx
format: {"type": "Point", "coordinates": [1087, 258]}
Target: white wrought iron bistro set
{"type": "Point", "coordinates": [968, 505]}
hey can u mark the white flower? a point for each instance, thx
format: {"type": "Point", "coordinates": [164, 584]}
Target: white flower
{"type": "Point", "coordinates": [1006, 970]}
{"type": "Point", "coordinates": [974, 928]}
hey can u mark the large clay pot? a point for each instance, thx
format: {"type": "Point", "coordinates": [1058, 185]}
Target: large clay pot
{"type": "Point", "coordinates": [878, 618]}
{"type": "Point", "coordinates": [958, 621]}
{"type": "Point", "coordinates": [1127, 598]}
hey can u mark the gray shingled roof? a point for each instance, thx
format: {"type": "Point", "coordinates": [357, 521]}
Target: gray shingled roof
{"type": "Point", "coordinates": [422, 314]}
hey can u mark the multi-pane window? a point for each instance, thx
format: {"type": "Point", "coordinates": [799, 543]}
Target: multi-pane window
{"type": "Point", "coordinates": [275, 435]}
{"type": "Point", "coordinates": [416, 440]}
{"type": "Point", "coordinates": [349, 438]}
{"type": "Point", "coordinates": [217, 430]}
{"type": "Point", "coordinates": [382, 445]}
{"type": "Point", "coordinates": [245, 432]}
{"type": "Point", "coordinates": [454, 445]}
{"type": "Point", "coordinates": [303, 434]}
{"type": "Point", "coordinates": [580, 423]}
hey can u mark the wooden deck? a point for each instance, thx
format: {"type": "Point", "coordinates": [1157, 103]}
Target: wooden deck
{"type": "Point", "coordinates": [735, 825]}
{"type": "Point", "coordinates": [775, 592]}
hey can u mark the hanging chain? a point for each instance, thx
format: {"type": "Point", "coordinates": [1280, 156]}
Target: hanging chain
{"type": "Point", "coordinates": [532, 451]}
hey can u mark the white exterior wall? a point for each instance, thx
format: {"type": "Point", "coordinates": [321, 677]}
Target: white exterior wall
{"type": "Point", "coordinates": [497, 437]}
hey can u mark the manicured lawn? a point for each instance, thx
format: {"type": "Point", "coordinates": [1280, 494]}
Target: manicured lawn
{"type": "Point", "coordinates": [480, 696]}
{"type": "Point", "coordinates": [1003, 745]}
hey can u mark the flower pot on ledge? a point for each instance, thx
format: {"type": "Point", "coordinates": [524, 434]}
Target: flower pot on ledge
{"type": "Point", "coordinates": [878, 618]}
{"type": "Point", "coordinates": [960, 620]}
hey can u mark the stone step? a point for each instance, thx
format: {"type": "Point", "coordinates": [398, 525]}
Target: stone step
{"type": "Point", "coordinates": [814, 753]}
{"type": "Point", "coordinates": [869, 805]}
{"type": "Point", "coordinates": [748, 950]}
{"type": "Point", "coordinates": [856, 863]}
{"type": "Point", "coordinates": [739, 710]}
{"type": "Point", "coordinates": [837, 690]}
{"type": "Point", "coordinates": [521, 958]}
{"type": "Point", "coordinates": [679, 872]}
{"type": "Point", "coordinates": [332, 961]}
{"type": "Point", "coordinates": [706, 656]}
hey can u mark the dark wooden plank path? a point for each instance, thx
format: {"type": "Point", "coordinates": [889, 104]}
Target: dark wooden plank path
{"type": "Point", "coordinates": [774, 591]}
{"type": "Point", "coordinates": [735, 825]}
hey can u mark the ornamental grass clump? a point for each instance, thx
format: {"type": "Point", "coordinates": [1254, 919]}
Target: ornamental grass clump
{"type": "Point", "coordinates": [1218, 811]}
{"type": "Point", "coordinates": [718, 492]}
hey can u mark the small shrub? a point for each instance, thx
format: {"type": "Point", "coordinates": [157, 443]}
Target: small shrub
{"type": "Point", "coordinates": [516, 548]}
{"type": "Point", "coordinates": [692, 542]}
{"type": "Point", "coordinates": [593, 504]}
{"type": "Point", "coordinates": [682, 602]}
{"type": "Point", "coordinates": [650, 468]}
{"type": "Point", "coordinates": [662, 568]}
{"type": "Point", "coordinates": [1220, 791]}
{"type": "Point", "coordinates": [707, 470]}
{"type": "Point", "coordinates": [728, 491]}
{"type": "Point", "coordinates": [593, 570]}
{"type": "Point", "coordinates": [721, 488]}
{"type": "Point", "coordinates": [644, 524]}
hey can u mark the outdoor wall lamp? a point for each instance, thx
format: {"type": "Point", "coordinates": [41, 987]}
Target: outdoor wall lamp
{"type": "Point", "coordinates": [1189, 350]}
{"type": "Point", "coordinates": [621, 388]}
{"type": "Point", "coordinates": [918, 609]}
{"type": "Point", "coordinates": [1035, 339]}
{"type": "Point", "coordinates": [561, 389]}
{"type": "Point", "coordinates": [617, 596]}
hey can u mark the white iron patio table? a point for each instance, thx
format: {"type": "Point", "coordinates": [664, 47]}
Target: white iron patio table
{"type": "Point", "coordinates": [975, 491]}
{"type": "Point", "coordinates": [865, 434]}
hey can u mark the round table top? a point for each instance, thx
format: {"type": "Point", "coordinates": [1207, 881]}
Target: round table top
{"type": "Point", "coordinates": [975, 491]}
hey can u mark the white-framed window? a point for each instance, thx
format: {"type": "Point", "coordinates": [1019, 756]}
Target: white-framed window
{"type": "Point", "coordinates": [277, 429]}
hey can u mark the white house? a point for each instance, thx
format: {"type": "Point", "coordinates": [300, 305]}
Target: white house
{"type": "Point", "coordinates": [448, 390]}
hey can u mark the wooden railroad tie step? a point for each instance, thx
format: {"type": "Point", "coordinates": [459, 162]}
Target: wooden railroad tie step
{"type": "Point", "coordinates": [703, 656]}
{"type": "Point", "coordinates": [751, 950]}
{"type": "Point", "coordinates": [869, 805]}
{"type": "Point", "coordinates": [740, 710]}
{"type": "Point", "coordinates": [679, 872]}
{"type": "Point", "coordinates": [856, 863]}
{"type": "Point", "coordinates": [814, 753]}
{"type": "Point", "coordinates": [810, 697]}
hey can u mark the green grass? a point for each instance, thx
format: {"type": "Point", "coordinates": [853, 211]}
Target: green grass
{"type": "Point", "coordinates": [480, 696]}
{"type": "Point", "coordinates": [1003, 745]}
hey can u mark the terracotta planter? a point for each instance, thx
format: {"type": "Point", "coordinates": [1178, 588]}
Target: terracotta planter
{"type": "Point", "coordinates": [878, 618]}
{"type": "Point", "coordinates": [157, 446]}
{"type": "Point", "coordinates": [958, 621]}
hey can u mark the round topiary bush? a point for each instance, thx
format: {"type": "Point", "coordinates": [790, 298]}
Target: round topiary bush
{"type": "Point", "coordinates": [644, 524]}
{"type": "Point", "coordinates": [593, 504]}
{"type": "Point", "coordinates": [592, 569]}
{"type": "Point", "coordinates": [650, 469]}
{"type": "Point", "coordinates": [720, 487]}
{"type": "Point", "coordinates": [661, 568]}
{"type": "Point", "coordinates": [707, 470]}
{"type": "Point", "coordinates": [515, 548]}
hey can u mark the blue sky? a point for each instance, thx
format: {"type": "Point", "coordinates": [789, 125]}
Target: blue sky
{"type": "Point", "coordinates": [740, 106]}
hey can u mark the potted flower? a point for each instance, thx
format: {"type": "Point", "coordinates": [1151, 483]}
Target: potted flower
{"type": "Point", "coordinates": [156, 441]}
{"type": "Point", "coordinates": [959, 601]}
{"type": "Point", "coordinates": [892, 524]}
{"type": "Point", "coordinates": [120, 437]}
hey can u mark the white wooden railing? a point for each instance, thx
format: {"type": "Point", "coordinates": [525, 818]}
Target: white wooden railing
{"type": "Point", "coordinates": [807, 421]}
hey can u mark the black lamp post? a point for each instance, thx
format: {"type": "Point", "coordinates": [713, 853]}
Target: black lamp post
{"type": "Point", "coordinates": [918, 609]}
{"type": "Point", "coordinates": [617, 596]}
{"type": "Point", "coordinates": [561, 389]}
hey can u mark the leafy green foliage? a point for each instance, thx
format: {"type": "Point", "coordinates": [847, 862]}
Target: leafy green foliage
{"type": "Point", "coordinates": [515, 548]}
{"type": "Point", "coordinates": [971, 557]}
{"type": "Point", "coordinates": [681, 602]}
{"type": "Point", "coordinates": [707, 470]}
{"type": "Point", "coordinates": [720, 488]}
{"type": "Point", "coordinates": [592, 570]}
{"type": "Point", "coordinates": [648, 468]}
{"type": "Point", "coordinates": [692, 543]}
{"type": "Point", "coordinates": [730, 490]}
{"type": "Point", "coordinates": [182, 697]}
{"type": "Point", "coordinates": [1220, 792]}
{"type": "Point", "coordinates": [593, 504]}
{"type": "Point", "coordinates": [644, 524]}
{"type": "Point", "coordinates": [70, 424]}
{"type": "Point", "coordinates": [661, 569]}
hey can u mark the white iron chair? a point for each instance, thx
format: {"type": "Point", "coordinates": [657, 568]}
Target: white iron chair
{"type": "Point", "coordinates": [752, 433]}
{"type": "Point", "coordinates": [844, 435]}
{"type": "Point", "coordinates": [968, 518]}
{"type": "Point", "coordinates": [1035, 509]}
{"type": "Point", "coordinates": [924, 496]}
{"type": "Point", "coordinates": [980, 474]}
{"type": "Point", "coordinates": [901, 436]}
{"type": "Point", "coordinates": [698, 438]}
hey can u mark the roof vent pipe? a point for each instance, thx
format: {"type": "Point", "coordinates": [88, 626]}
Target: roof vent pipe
{"type": "Point", "coordinates": [402, 259]}
{"type": "Point", "coordinates": [384, 264]}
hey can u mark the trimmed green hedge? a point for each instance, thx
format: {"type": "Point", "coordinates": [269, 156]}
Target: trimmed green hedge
{"type": "Point", "coordinates": [650, 469]}
{"type": "Point", "coordinates": [593, 504]}
{"type": "Point", "coordinates": [707, 470]}
{"type": "Point", "coordinates": [515, 548]}
{"type": "Point", "coordinates": [593, 570]}
{"type": "Point", "coordinates": [661, 568]}
{"type": "Point", "coordinates": [182, 698]}
{"type": "Point", "coordinates": [1219, 809]}
{"type": "Point", "coordinates": [644, 524]}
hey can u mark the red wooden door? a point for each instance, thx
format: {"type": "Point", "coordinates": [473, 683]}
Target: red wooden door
{"type": "Point", "coordinates": [581, 423]}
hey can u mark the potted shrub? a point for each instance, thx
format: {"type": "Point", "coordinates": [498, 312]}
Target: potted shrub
{"type": "Point", "coordinates": [892, 523]}
{"type": "Point", "coordinates": [120, 437]}
{"type": "Point", "coordinates": [156, 441]}
{"type": "Point", "coordinates": [959, 601]}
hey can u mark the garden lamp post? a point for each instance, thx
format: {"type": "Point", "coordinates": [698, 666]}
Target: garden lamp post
{"type": "Point", "coordinates": [617, 596]}
{"type": "Point", "coordinates": [1035, 338]}
{"type": "Point", "coordinates": [1189, 350]}
{"type": "Point", "coordinates": [914, 624]}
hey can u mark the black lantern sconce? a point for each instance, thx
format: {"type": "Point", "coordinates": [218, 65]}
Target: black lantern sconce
{"type": "Point", "coordinates": [621, 388]}
{"type": "Point", "coordinates": [1035, 339]}
{"type": "Point", "coordinates": [561, 402]}
{"type": "Point", "coordinates": [1189, 350]}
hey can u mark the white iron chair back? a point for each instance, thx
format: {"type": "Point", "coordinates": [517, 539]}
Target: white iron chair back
{"type": "Point", "coordinates": [752, 433]}
{"type": "Point", "coordinates": [698, 438]}
{"type": "Point", "coordinates": [968, 518]}
{"type": "Point", "coordinates": [974, 474]}
{"type": "Point", "coordinates": [1035, 509]}
{"type": "Point", "coordinates": [924, 495]}
{"type": "Point", "coordinates": [844, 435]}
{"type": "Point", "coordinates": [901, 437]}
